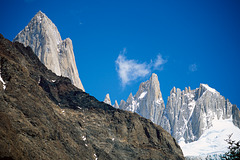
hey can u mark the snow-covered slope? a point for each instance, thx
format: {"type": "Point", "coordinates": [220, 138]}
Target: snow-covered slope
{"type": "Point", "coordinates": [212, 141]}
{"type": "Point", "coordinates": [43, 37]}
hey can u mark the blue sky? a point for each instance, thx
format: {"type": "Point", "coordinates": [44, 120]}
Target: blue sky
{"type": "Point", "coordinates": [118, 44]}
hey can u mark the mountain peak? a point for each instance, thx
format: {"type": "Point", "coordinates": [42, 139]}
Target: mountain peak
{"type": "Point", "coordinates": [42, 19]}
{"type": "Point", "coordinates": [205, 87]}
{"type": "Point", "coordinates": [148, 98]}
{"type": "Point", "coordinates": [40, 13]}
{"type": "Point", "coordinates": [107, 99]}
{"type": "Point", "coordinates": [154, 77]}
{"type": "Point", "coordinates": [116, 104]}
{"type": "Point", "coordinates": [56, 54]}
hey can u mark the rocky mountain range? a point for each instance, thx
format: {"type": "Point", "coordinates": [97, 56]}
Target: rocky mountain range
{"type": "Point", "coordinates": [44, 116]}
{"type": "Point", "coordinates": [188, 113]}
{"type": "Point", "coordinates": [56, 54]}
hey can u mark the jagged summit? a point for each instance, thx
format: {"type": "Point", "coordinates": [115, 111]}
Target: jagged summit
{"type": "Point", "coordinates": [148, 101]}
{"type": "Point", "coordinates": [43, 37]}
{"type": "Point", "coordinates": [189, 114]}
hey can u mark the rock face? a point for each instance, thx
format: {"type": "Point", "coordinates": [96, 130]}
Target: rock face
{"type": "Point", "coordinates": [44, 116]}
{"type": "Point", "coordinates": [45, 40]}
{"type": "Point", "coordinates": [148, 100]}
{"type": "Point", "coordinates": [195, 110]}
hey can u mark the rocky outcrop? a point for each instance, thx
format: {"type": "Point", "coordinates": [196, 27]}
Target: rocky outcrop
{"type": "Point", "coordinates": [44, 116]}
{"type": "Point", "coordinates": [107, 99]}
{"type": "Point", "coordinates": [56, 54]}
{"type": "Point", "coordinates": [236, 116]}
{"type": "Point", "coordinates": [116, 104]}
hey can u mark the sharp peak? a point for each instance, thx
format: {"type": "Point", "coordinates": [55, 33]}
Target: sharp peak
{"type": "Point", "coordinates": [40, 13]}
{"type": "Point", "coordinates": [202, 85]}
{"type": "Point", "coordinates": [206, 87]}
{"type": "Point", "coordinates": [107, 95]}
{"type": "Point", "coordinates": [154, 75]}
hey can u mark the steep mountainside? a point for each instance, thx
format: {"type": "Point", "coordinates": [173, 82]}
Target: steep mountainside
{"type": "Point", "coordinates": [195, 110]}
{"type": "Point", "coordinates": [43, 116]}
{"type": "Point", "coordinates": [189, 114]}
{"type": "Point", "coordinates": [43, 37]}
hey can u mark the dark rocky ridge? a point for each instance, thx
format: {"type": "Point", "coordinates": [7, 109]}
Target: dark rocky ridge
{"type": "Point", "coordinates": [43, 116]}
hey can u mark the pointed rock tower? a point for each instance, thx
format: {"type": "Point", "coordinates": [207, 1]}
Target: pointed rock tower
{"type": "Point", "coordinates": [107, 99]}
{"type": "Point", "coordinates": [116, 104]}
{"type": "Point", "coordinates": [56, 54]}
{"type": "Point", "coordinates": [148, 101]}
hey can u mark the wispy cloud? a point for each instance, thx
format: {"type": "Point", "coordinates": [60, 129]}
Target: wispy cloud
{"type": "Point", "coordinates": [131, 69]}
{"type": "Point", "coordinates": [159, 62]}
{"type": "Point", "coordinates": [193, 67]}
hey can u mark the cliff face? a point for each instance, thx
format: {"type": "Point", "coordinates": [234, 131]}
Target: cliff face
{"type": "Point", "coordinates": [195, 111]}
{"type": "Point", "coordinates": [147, 102]}
{"type": "Point", "coordinates": [56, 54]}
{"type": "Point", "coordinates": [43, 116]}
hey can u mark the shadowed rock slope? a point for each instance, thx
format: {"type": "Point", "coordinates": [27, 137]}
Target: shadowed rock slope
{"type": "Point", "coordinates": [43, 116]}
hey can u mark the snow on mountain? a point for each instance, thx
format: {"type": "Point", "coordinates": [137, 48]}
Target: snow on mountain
{"type": "Point", "coordinates": [43, 37]}
{"type": "Point", "coordinates": [209, 88]}
{"type": "Point", "coordinates": [142, 95]}
{"type": "Point", "coordinates": [212, 141]}
{"type": "Point", "coordinates": [192, 117]}
{"type": "Point", "coordinates": [3, 83]}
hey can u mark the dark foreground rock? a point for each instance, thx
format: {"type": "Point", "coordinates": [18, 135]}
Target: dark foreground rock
{"type": "Point", "coordinates": [43, 116]}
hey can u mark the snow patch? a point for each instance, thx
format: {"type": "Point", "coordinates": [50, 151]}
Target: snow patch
{"type": "Point", "coordinates": [212, 140]}
{"type": "Point", "coordinates": [142, 95]}
{"type": "Point", "coordinates": [4, 84]}
{"type": "Point", "coordinates": [95, 156]}
{"type": "Point", "coordinates": [209, 88]}
{"type": "Point", "coordinates": [84, 138]}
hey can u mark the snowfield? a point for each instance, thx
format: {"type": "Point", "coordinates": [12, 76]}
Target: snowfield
{"type": "Point", "coordinates": [212, 140]}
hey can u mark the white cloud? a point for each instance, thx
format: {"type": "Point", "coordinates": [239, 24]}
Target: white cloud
{"type": "Point", "coordinates": [130, 70]}
{"type": "Point", "coordinates": [193, 67]}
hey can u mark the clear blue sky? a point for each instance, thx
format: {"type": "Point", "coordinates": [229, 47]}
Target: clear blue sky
{"type": "Point", "coordinates": [185, 42]}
